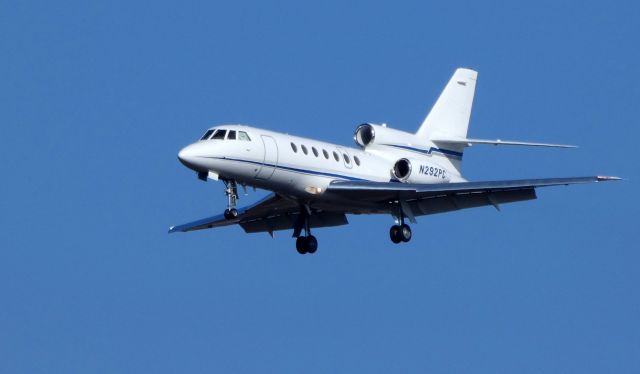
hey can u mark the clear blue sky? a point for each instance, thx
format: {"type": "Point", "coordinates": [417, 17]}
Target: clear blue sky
{"type": "Point", "coordinates": [96, 98]}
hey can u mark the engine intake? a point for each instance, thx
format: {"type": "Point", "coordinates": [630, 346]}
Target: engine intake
{"type": "Point", "coordinates": [364, 135]}
{"type": "Point", "coordinates": [402, 169]}
{"type": "Point", "coordinates": [417, 171]}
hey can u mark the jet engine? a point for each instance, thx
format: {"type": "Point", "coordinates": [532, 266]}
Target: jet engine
{"type": "Point", "coordinates": [370, 133]}
{"type": "Point", "coordinates": [408, 170]}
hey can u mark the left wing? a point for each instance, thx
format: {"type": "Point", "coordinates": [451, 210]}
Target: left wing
{"type": "Point", "coordinates": [269, 214]}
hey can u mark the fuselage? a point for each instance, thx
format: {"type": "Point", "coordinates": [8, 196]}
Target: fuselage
{"type": "Point", "coordinates": [286, 164]}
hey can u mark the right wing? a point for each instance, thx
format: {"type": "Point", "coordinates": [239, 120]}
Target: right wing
{"type": "Point", "coordinates": [421, 199]}
{"type": "Point", "coordinates": [268, 215]}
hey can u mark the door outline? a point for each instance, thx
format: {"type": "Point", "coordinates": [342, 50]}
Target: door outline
{"type": "Point", "coordinates": [269, 159]}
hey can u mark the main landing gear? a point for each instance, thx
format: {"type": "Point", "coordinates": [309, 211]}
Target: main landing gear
{"type": "Point", "coordinates": [307, 243]}
{"type": "Point", "coordinates": [231, 190]}
{"type": "Point", "coordinates": [402, 232]}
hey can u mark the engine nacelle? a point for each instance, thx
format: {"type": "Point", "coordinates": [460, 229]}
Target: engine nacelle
{"type": "Point", "coordinates": [369, 133]}
{"type": "Point", "coordinates": [417, 171]}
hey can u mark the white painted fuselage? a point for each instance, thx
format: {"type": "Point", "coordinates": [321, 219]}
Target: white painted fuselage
{"type": "Point", "coordinates": [296, 166]}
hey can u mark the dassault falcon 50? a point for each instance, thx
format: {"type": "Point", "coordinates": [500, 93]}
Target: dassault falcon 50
{"type": "Point", "coordinates": [316, 184]}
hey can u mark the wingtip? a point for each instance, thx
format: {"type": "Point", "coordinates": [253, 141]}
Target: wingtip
{"type": "Point", "coordinates": [604, 178]}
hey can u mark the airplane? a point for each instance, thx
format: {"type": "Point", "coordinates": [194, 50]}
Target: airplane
{"type": "Point", "coordinates": [316, 184]}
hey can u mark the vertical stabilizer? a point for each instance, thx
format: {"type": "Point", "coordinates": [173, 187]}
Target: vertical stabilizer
{"type": "Point", "coordinates": [449, 117]}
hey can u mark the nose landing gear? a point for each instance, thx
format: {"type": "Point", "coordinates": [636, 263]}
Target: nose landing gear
{"type": "Point", "coordinates": [231, 190]}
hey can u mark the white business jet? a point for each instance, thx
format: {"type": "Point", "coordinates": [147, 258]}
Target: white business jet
{"type": "Point", "coordinates": [316, 184]}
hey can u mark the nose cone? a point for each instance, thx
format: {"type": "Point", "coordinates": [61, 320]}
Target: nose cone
{"type": "Point", "coordinates": [189, 157]}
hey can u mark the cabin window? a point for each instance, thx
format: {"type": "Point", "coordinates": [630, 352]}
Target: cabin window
{"type": "Point", "coordinates": [357, 160]}
{"type": "Point", "coordinates": [294, 147]}
{"type": "Point", "coordinates": [346, 158]}
{"type": "Point", "coordinates": [325, 153]}
{"type": "Point", "coordinates": [335, 155]}
{"type": "Point", "coordinates": [304, 149]}
{"type": "Point", "coordinates": [243, 136]}
{"type": "Point", "coordinates": [231, 135]}
{"type": "Point", "coordinates": [207, 135]}
{"type": "Point", "coordinates": [315, 151]}
{"type": "Point", "coordinates": [219, 134]}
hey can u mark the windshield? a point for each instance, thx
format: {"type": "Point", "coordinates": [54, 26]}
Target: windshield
{"type": "Point", "coordinates": [206, 135]}
{"type": "Point", "coordinates": [219, 134]}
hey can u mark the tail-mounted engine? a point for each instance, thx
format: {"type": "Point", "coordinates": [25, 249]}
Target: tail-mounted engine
{"type": "Point", "coordinates": [415, 171]}
{"type": "Point", "coordinates": [369, 133]}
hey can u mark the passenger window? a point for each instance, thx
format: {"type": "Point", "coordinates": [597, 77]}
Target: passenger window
{"type": "Point", "coordinates": [231, 135]}
{"type": "Point", "coordinates": [293, 146]}
{"type": "Point", "coordinates": [243, 136]}
{"type": "Point", "coordinates": [304, 149]}
{"type": "Point", "coordinates": [346, 158]}
{"type": "Point", "coordinates": [315, 151]}
{"type": "Point", "coordinates": [357, 160]}
{"type": "Point", "coordinates": [206, 135]}
{"type": "Point", "coordinates": [325, 153]}
{"type": "Point", "coordinates": [335, 155]}
{"type": "Point", "coordinates": [219, 134]}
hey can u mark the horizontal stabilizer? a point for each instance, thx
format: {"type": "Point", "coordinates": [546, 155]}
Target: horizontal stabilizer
{"type": "Point", "coordinates": [469, 142]}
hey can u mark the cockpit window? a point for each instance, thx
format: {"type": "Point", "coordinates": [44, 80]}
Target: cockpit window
{"type": "Point", "coordinates": [243, 136]}
{"type": "Point", "coordinates": [219, 134]}
{"type": "Point", "coordinates": [207, 135]}
{"type": "Point", "coordinates": [231, 135]}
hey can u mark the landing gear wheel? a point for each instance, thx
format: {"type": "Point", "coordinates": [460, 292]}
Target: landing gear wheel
{"type": "Point", "coordinates": [394, 234]}
{"type": "Point", "coordinates": [230, 213]}
{"type": "Point", "coordinates": [405, 233]}
{"type": "Point", "coordinates": [301, 245]}
{"type": "Point", "coordinates": [312, 244]}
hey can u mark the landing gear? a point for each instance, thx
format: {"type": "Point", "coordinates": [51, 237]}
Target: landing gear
{"type": "Point", "coordinates": [402, 232]}
{"type": "Point", "coordinates": [230, 213]}
{"type": "Point", "coordinates": [231, 190]}
{"type": "Point", "coordinates": [307, 243]}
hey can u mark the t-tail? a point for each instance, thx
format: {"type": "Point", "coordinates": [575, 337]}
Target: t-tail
{"type": "Point", "coordinates": [445, 127]}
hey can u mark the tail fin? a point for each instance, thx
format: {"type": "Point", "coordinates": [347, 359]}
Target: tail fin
{"type": "Point", "coordinates": [449, 117]}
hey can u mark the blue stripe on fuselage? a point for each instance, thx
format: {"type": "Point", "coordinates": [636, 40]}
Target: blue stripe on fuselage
{"type": "Point", "coordinates": [289, 168]}
{"type": "Point", "coordinates": [445, 152]}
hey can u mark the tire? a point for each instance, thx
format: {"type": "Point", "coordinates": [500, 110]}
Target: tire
{"type": "Point", "coordinates": [230, 213]}
{"type": "Point", "coordinates": [394, 234]}
{"type": "Point", "coordinates": [405, 233]}
{"type": "Point", "coordinates": [301, 245]}
{"type": "Point", "coordinates": [311, 244]}
{"type": "Point", "coordinates": [233, 213]}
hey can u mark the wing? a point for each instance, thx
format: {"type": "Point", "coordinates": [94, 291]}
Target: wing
{"type": "Point", "coordinates": [421, 199]}
{"type": "Point", "coordinates": [269, 214]}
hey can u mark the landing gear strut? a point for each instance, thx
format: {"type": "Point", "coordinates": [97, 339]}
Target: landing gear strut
{"type": "Point", "coordinates": [402, 232]}
{"type": "Point", "coordinates": [307, 243]}
{"type": "Point", "coordinates": [231, 190]}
